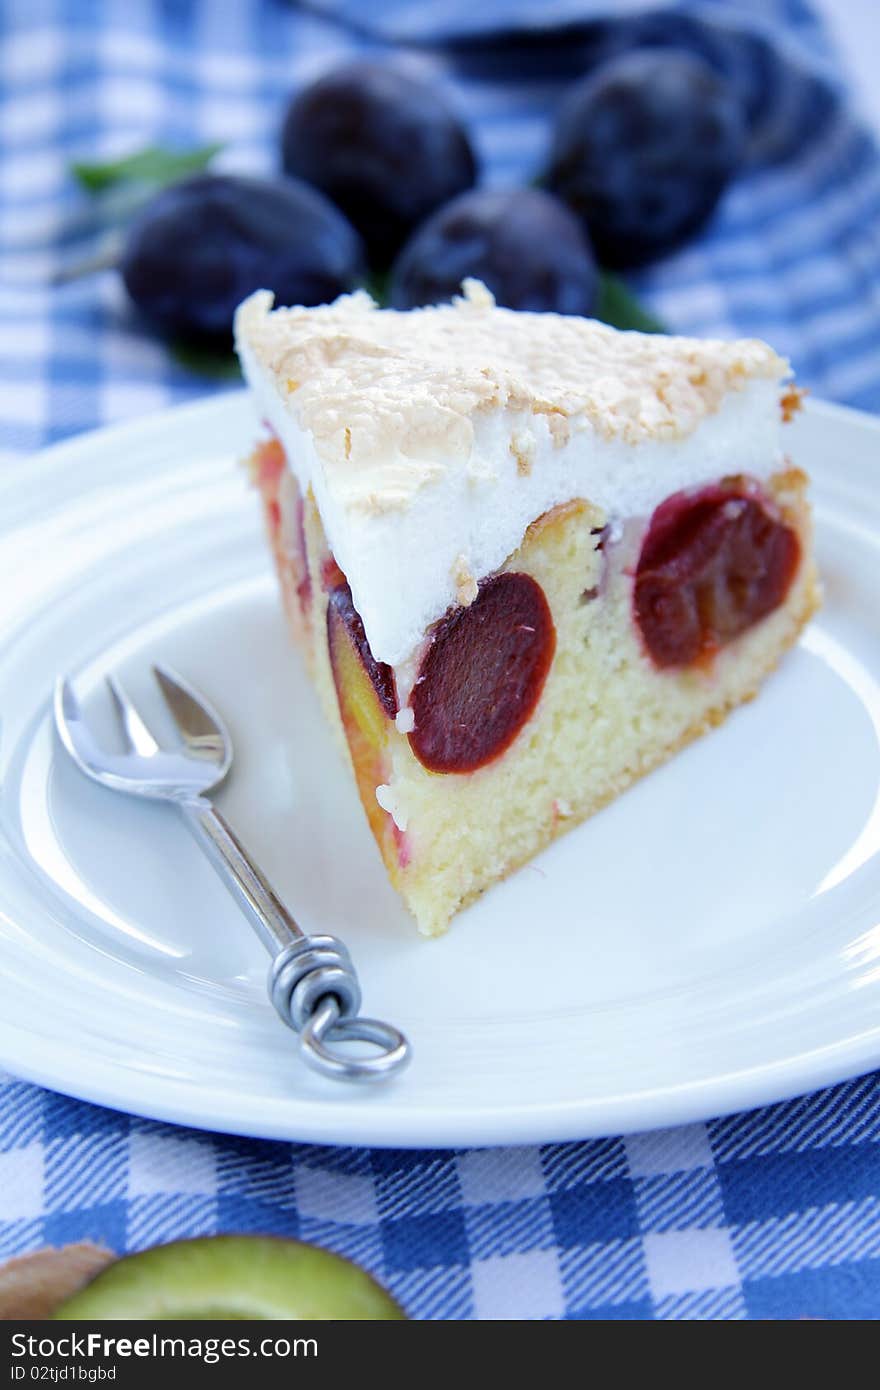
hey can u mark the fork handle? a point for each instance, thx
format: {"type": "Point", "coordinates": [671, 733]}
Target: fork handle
{"type": "Point", "coordinates": [312, 981]}
{"type": "Point", "coordinates": [274, 925]}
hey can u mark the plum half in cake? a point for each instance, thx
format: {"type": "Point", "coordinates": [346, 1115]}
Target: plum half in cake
{"type": "Point", "coordinates": [527, 557]}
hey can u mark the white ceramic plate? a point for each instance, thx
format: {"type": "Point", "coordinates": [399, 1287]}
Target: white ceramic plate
{"type": "Point", "coordinates": [709, 942]}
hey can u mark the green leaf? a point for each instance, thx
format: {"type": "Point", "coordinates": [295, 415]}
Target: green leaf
{"type": "Point", "coordinates": [217, 363]}
{"type": "Point", "coordinates": [376, 284]}
{"type": "Point", "coordinates": [153, 165]}
{"type": "Point", "coordinates": [619, 307]}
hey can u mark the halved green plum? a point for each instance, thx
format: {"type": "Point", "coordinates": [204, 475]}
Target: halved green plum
{"type": "Point", "coordinates": [231, 1278]}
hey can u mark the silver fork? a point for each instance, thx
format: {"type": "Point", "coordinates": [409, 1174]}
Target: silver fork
{"type": "Point", "coordinates": [312, 982]}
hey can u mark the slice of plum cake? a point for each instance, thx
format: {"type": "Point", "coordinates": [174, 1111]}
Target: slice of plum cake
{"type": "Point", "coordinates": [527, 558]}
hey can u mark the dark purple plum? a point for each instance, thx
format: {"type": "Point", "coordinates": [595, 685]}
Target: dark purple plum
{"type": "Point", "coordinates": [526, 246]}
{"type": "Point", "coordinates": [643, 149]}
{"type": "Point", "coordinates": [714, 562]}
{"type": "Point", "coordinates": [482, 675]}
{"type": "Point", "coordinates": [343, 617]}
{"type": "Point", "coordinates": [199, 247]}
{"type": "Point", "coordinates": [383, 144]}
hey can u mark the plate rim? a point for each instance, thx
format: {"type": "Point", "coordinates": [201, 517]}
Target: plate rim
{"type": "Point", "coordinates": [334, 1123]}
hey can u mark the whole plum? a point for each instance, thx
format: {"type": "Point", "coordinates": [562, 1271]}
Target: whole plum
{"type": "Point", "coordinates": [383, 144]}
{"type": "Point", "coordinates": [643, 149]}
{"type": "Point", "coordinates": [524, 244]}
{"type": "Point", "coordinates": [199, 247]}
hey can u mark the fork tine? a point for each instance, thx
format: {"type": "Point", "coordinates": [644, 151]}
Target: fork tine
{"type": "Point", "coordinates": [66, 703]}
{"type": "Point", "coordinates": [199, 724]}
{"type": "Point", "coordinates": [67, 713]}
{"type": "Point", "coordinates": [137, 735]}
{"type": "Point", "coordinates": [75, 734]}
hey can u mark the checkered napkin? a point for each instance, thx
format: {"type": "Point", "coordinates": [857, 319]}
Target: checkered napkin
{"type": "Point", "coordinates": [771, 1214]}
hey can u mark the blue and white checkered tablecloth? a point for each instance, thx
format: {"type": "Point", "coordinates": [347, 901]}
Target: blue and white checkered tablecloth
{"type": "Point", "coordinates": [771, 1214]}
